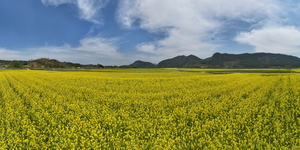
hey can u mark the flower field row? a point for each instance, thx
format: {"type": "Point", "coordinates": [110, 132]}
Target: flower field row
{"type": "Point", "coordinates": [148, 109]}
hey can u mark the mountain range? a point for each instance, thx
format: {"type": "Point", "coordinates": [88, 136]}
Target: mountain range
{"type": "Point", "coordinates": [218, 60]}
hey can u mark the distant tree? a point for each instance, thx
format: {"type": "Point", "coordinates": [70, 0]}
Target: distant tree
{"type": "Point", "coordinates": [100, 66]}
{"type": "Point", "coordinates": [15, 64]}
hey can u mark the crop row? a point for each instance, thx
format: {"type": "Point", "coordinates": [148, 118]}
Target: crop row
{"type": "Point", "coordinates": [148, 109]}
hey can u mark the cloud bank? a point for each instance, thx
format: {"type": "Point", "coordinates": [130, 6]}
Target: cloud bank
{"type": "Point", "coordinates": [190, 25]}
{"type": "Point", "coordinates": [272, 39]}
{"type": "Point", "coordinates": [91, 50]}
{"type": "Point", "coordinates": [88, 9]}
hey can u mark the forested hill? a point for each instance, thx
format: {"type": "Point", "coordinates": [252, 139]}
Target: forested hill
{"type": "Point", "coordinates": [218, 60]}
{"type": "Point", "coordinates": [141, 64]}
{"type": "Point", "coordinates": [255, 60]}
{"type": "Point", "coordinates": [190, 61]}
{"type": "Point", "coordinates": [38, 63]}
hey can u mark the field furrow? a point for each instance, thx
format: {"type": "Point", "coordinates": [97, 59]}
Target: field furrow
{"type": "Point", "coordinates": [148, 109]}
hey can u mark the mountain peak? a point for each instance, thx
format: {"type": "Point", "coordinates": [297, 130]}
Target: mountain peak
{"type": "Point", "coordinates": [142, 64]}
{"type": "Point", "coordinates": [180, 61]}
{"type": "Point", "coordinates": [252, 60]}
{"type": "Point", "coordinates": [225, 60]}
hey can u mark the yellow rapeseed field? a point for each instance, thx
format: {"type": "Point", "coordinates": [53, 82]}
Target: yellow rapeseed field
{"type": "Point", "coordinates": [148, 109]}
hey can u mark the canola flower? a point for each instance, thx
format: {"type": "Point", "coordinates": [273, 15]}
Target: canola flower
{"type": "Point", "coordinates": [148, 109]}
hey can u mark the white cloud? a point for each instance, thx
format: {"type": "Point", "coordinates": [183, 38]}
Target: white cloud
{"type": "Point", "coordinates": [6, 54]}
{"type": "Point", "coordinates": [146, 47]}
{"type": "Point", "coordinates": [57, 2]}
{"type": "Point", "coordinates": [177, 43]}
{"type": "Point", "coordinates": [91, 50]}
{"type": "Point", "coordinates": [99, 46]}
{"type": "Point", "coordinates": [191, 24]}
{"type": "Point", "coordinates": [272, 39]}
{"type": "Point", "coordinates": [88, 9]}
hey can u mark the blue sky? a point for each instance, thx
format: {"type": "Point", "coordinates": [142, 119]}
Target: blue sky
{"type": "Point", "coordinates": [118, 32]}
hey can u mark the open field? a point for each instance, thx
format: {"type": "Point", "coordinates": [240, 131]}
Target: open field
{"type": "Point", "coordinates": [148, 109]}
{"type": "Point", "coordinates": [242, 70]}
